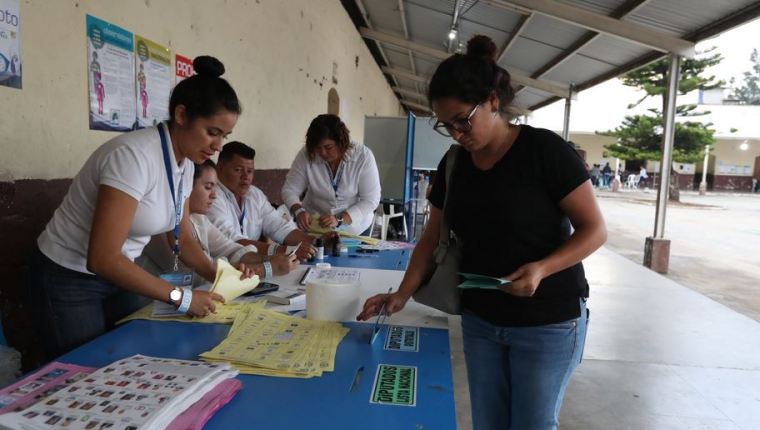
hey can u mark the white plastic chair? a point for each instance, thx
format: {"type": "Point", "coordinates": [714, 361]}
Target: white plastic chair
{"type": "Point", "coordinates": [632, 182]}
{"type": "Point", "coordinates": [385, 219]}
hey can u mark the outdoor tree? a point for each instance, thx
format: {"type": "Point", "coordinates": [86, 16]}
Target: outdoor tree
{"type": "Point", "coordinates": [749, 91]}
{"type": "Point", "coordinates": [639, 137]}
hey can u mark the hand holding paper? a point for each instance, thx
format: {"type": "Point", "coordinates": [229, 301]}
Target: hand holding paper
{"type": "Point", "coordinates": [228, 283]}
{"type": "Point", "coordinates": [473, 280]}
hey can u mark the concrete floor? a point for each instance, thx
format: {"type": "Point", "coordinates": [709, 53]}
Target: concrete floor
{"type": "Point", "coordinates": [658, 356]}
{"type": "Point", "coordinates": [715, 241]}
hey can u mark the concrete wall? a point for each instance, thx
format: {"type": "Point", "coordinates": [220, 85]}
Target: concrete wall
{"type": "Point", "coordinates": [282, 57]}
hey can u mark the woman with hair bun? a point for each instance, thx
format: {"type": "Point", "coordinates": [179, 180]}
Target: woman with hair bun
{"type": "Point", "coordinates": [339, 177]}
{"type": "Point", "coordinates": [83, 275]}
{"type": "Point", "coordinates": [522, 208]}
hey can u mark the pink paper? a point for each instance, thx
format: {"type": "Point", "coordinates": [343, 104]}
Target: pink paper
{"type": "Point", "coordinates": [197, 415]}
{"type": "Point", "coordinates": [39, 385]}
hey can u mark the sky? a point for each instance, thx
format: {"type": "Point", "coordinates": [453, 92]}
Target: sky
{"type": "Point", "coordinates": [603, 107]}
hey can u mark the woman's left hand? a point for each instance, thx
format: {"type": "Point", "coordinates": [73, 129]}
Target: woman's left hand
{"type": "Point", "coordinates": [245, 271]}
{"type": "Point", "coordinates": [525, 280]}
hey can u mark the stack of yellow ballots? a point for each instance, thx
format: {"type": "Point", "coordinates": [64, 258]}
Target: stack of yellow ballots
{"type": "Point", "coordinates": [263, 342]}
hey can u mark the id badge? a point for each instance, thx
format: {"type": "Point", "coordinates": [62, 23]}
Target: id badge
{"type": "Point", "coordinates": [178, 279]}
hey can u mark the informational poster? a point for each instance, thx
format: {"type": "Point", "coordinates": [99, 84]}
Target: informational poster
{"type": "Point", "coordinates": [183, 68]}
{"type": "Point", "coordinates": [10, 44]}
{"type": "Point", "coordinates": [153, 72]}
{"type": "Point", "coordinates": [111, 76]}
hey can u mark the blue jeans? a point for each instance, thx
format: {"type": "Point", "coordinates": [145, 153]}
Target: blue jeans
{"type": "Point", "coordinates": [72, 308]}
{"type": "Point", "coordinates": [518, 375]}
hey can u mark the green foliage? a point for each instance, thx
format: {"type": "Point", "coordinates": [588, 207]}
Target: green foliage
{"type": "Point", "coordinates": [749, 92]}
{"type": "Point", "coordinates": [639, 137]}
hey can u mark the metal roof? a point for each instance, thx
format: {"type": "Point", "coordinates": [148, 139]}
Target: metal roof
{"type": "Point", "coordinates": [547, 45]}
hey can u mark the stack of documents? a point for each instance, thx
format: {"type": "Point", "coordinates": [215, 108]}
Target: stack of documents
{"type": "Point", "coordinates": [263, 342]}
{"type": "Point", "coordinates": [158, 311]}
{"type": "Point", "coordinates": [136, 392]}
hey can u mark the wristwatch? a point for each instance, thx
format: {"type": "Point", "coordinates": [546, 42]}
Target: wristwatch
{"type": "Point", "coordinates": [175, 296]}
{"type": "Point", "coordinates": [340, 219]}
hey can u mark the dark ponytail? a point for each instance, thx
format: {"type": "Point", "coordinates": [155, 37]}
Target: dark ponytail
{"type": "Point", "coordinates": [473, 77]}
{"type": "Point", "coordinates": [205, 93]}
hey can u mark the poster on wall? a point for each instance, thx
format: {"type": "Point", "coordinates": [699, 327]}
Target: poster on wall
{"type": "Point", "coordinates": [153, 72]}
{"type": "Point", "coordinates": [183, 68]}
{"type": "Point", "coordinates": [10, 44]}
{"type": "Point", "coordinates": [111, 76]}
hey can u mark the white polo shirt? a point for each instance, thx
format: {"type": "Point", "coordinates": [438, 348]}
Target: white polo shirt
{"type": "Point", "coordinates": [358, 187]}
{"type": "Point", "coordinates": [132, 163]}
{"type": "Point", "coordinates": [257, 214]}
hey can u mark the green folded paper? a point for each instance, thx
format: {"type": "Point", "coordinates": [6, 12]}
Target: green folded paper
{"type": "Point", "coordinates": [473, 280]}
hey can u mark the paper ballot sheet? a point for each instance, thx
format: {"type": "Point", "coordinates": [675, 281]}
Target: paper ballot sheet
{"type": "Point", "coordinates": [268, 343]}
{"type": "Point", "coordinates": [228, 283]}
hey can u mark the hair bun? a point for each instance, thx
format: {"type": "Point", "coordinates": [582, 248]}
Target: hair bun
{"type": "Point", "coordinates": [208, 66]}
{"type": "Point", "coordinates": [482, 47]}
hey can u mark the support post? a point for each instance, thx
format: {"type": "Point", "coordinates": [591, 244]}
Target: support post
{"type": "Point", "coordinates": [657, 248]}
{"type": "Point", "coordinates": [703, 184]}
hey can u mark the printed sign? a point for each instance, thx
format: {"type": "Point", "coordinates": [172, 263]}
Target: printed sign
{"type": "Point", "coordinates": [154, 81]}
{"type": "Point", "coordinates": [10, 44]}
{"type": "Point", "coordinates": [395, 385]}
{"type": "Point", "coordinates": [111, 75]}
{"type": "Point", "coordinates": [183, 68]}
{"type": "Point", "coordinates": [401, 338]}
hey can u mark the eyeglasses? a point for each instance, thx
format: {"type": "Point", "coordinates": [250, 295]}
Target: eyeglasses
{"type": "Point", "coordinates": [462, 125]}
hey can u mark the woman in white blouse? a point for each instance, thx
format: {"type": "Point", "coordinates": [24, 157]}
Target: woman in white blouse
{"type": "Point", "coordinates": [339, 177]}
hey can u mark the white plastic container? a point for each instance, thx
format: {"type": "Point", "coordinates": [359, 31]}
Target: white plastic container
{"type": "Point", "coordinates": [332, 300]}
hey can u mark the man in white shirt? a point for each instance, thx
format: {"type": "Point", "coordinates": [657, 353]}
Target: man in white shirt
{"type": "Point", "coordinates": [243, 212]}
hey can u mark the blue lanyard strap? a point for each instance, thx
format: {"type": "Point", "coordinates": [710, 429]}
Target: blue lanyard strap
{"type": "Point", "coordinates": [335, 181]}
{"type": "Point", "coordinates": [241, 219]}
{"type": "Point", "coordinates": [170, 177]}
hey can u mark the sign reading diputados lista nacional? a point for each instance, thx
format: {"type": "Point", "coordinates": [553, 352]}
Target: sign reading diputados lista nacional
{"type": "Point", "coordinates": [111, 76]}
{"type": "Point", "coordinates": [153, 72]}
{"type": "Point", "coordinates": [183, 68]}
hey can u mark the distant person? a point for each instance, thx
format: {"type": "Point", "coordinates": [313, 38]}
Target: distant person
{"type": "Point", "coordinates": [337, 178]}
{"type": "Point", "coordinates": [595, 172]}
{"type": "Point", "coordinates": [606, 174]}
{"type": "Point", "coordinates": [642, 176]}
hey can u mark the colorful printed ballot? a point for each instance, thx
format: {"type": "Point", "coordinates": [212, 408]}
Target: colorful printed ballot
{"type": "Point", "coordinates": [473, 280]}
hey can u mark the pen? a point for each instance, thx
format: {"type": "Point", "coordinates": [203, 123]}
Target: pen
{"type": "Point", "coordinates": [379, 321]}
{"type": "Point", "coordinates": [357, 378]}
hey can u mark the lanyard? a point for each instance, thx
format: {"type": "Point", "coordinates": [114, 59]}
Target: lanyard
{"type": "Point", "coordinates": [177, 201]}
{"type": "Point", "coordinates": [242, 218]}
{"type": "Point", "coordinates": [334, 181]}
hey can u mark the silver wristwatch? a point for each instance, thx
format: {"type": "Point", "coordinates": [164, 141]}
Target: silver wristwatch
{"type": "Point", "coordinates": [175, 296]}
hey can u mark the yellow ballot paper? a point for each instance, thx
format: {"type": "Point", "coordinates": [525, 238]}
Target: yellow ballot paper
{"type": "Point", "coordinates": [317, 229]}
{"type": "Point", "coordinates": [228, 284]}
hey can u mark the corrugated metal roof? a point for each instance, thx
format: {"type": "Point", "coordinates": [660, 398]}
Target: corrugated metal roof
{"type": "Point", "coordinates": [546, 48]}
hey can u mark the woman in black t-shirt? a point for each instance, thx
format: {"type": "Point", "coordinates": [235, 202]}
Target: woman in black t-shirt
{"type": "Point", "coordinates": [516, 194]}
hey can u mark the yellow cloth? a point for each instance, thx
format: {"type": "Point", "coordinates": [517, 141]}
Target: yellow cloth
{"type": "Point", "coordinates": [228, 284]}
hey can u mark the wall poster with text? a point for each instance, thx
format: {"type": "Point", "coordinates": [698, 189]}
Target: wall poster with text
{"type": "Point", "coordinates": [153, 70]}
{"type": "Point", "coordinates": [10, 44]}
{"type": "Point", "coordinates": [111, 76]}
{"type": "Point", "coordinates": [183, 68]}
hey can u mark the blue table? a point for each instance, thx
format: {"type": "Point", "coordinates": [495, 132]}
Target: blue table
{"type": "Point", "coordinates": [387, 260]}
{"type": "Point", "coordinates": [283, 403]}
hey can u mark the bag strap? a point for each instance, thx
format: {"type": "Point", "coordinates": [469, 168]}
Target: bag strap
{"type": "Point", "coordinates": [445, 235]}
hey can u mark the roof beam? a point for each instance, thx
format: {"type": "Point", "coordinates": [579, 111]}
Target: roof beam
{"type": "Point", "coordinates": [519, 78]}
{"type": "Point", "coordinates": [402, 13]}
{"type": "Point", "coordinates": [404, 74]}
{"type": "Point", "coordinates": [365, 15]}
{"type": "Point", "coordinates": [410, 93]}
{"type": "Point", "coordinates": [524, 21]}
{"type": "Point", "coordinates": [628, 31]}
{"type": "Point", "coordinates": [416, 106]}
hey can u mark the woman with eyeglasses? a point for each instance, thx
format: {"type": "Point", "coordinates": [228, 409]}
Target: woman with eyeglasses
{"type": "Point", "coordinates": [523, 209]}
{"type": "Point", "coordinates": [339, 178]}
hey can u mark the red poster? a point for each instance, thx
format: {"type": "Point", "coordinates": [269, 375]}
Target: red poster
{"type": "Point", "coordinates": [184, 68]}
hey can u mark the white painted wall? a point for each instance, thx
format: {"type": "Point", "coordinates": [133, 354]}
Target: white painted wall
{"type": "Point", "coordinates": [277, 53]}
